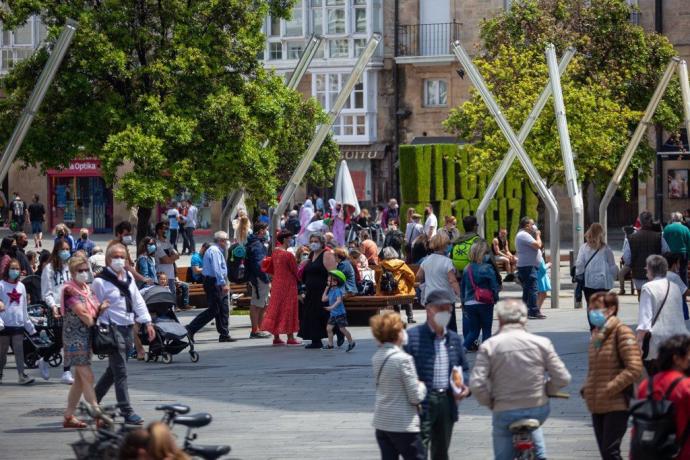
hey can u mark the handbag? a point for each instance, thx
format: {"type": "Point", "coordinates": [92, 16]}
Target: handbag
{"type": "Point", "coordinates": [648, 334]}
{"type": "Point", "coordinates": [581, 277]}
{"type": "Point", "coordinates": [103, 341]}
{"type": "Point", "coordinates": [481, 295]}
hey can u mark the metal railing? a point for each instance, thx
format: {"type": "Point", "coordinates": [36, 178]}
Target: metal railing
{"type": "Point", "coordinates": [427, 39]}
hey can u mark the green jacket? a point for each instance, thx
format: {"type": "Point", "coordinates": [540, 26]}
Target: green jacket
{"type": "Point", "coordinates": [677, 237]}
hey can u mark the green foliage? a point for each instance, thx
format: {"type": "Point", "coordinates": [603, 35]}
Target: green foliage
{"type": "Point", "coordinates": [606, 87]}
{"type": "Point", "coordinates": [168, 95]}
{"type": "Point", "coordinates": [462, 190]}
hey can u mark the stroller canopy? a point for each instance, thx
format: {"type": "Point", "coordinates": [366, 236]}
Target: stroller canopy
{"type": "Point", "coordinates": [159, 295]}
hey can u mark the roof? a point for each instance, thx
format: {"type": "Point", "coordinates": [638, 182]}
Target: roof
{"type": "Point", "coordinates": [424, 140]}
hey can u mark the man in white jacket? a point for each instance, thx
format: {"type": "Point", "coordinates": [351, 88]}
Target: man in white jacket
{"type": "Point", "coordinates": [510, 377]}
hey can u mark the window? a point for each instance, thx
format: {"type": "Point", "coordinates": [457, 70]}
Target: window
{"type": "Point", "coordinates": [23, 36]}
{"type": "Point", "coordinates": [275, 51]}
{"type": "Point", "coordinates": [360, 44]}
{"type": "Point", "coordinates": [360, 16]}
{"type": "Point", "coordinates": [335, 16]}
{"type": "Point", "coordinates": [435, 93]}
{"type": "Point", "coordinates": [353, 120]}
{"type": "Point", "coordinates": [293, 27]}
{"type": "Point", "coordinates": [294, 50]}
{"type": "Point", "coordinates": [338, 48]}
{"type": "Point", "coordinates": [274, 27]}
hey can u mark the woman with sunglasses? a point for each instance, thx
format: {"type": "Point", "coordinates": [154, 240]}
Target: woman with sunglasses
{"type": "Point", "coordinates": [80, 310]}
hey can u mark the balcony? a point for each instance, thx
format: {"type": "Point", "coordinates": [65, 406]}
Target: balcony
{"type": "Point", "coordinates": [426, 43]}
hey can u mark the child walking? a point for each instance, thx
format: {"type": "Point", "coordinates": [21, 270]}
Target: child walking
{"type": "Point", "coordinates": [334, 296]}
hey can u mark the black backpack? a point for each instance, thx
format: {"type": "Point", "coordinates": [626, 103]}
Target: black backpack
{"type": "Point", "coordinates": [389, 285]}
{"type": "Point", "coordinates": [654, 422]}
{"type": "Point", "coordinates": [237, 272]}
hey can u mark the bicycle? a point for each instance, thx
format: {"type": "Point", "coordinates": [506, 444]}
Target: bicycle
{"type": "Point", "coordinates": [523, 441]}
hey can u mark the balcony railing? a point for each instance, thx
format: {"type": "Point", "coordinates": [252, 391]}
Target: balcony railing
{"type": "Point", "coordinates": [426, 39]}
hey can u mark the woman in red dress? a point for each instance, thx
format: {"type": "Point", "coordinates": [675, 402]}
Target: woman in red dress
{"type": "Point", "coordinates": [282, 314]}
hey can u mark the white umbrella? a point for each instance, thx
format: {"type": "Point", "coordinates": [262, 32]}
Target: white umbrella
{"type": "Point", "coordinates": [345, 189]}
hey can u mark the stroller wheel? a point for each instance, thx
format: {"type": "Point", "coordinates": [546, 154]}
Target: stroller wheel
{"type": "Point", "coordinates": [55, 360]}
{"type": "Point", "coordinates": [167, 358]}
{"type": "Point", "coordinates": [194, 356]}
{"type": "Point", "coordinates": [30, 362]}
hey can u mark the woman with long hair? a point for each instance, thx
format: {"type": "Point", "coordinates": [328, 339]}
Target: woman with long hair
{"type": "Point", "coordinates": [80, 309]}
{"type": "Point", "coordinates": [243, 230]}
{"type": "Point", "coordinates": [595, 263]}
{"type": "Point", "coordinates": [146, 258]}
{"type": "Point", "coordinates": [8, 251]}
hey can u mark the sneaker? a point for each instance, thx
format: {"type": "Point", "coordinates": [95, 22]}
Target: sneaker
{"type": "Point", "coordinates": [67, 378]}
{"type": "Point", "coordinates": [350, 347]}
{"type": "Point", "coordinates": [411, 320]}
{"type": "Point", "coordinates": [133, 419]}
{"type": "Point", "coordinates": [537, 316]}
{"type": "Point", "coordinates": [44, 368]}
{"type": "Point", "coordinates": [328, 347]}
{"type": "Point", "coordinates": [25, 380]}
{"type": "Point", "coordinates": [293, 343]}
{"type": "Point", "coordinates": [278, 343]}
{"type": "Point", "coordinates": [259, 335]}
{"type": "Point", "coordinates": [226, 338]}
{"type": "Point", "coordinates": [340, 340]}
{"type": "Point", "coordinates": [578, 304]}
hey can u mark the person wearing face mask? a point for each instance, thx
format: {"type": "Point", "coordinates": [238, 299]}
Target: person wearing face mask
{"type": "Point", "coordinates": [54, 275]}
{"type": "Point", "coordinates": [14, 320]}
{"type": "Point", "coordinates": [116, 286]}
{"type": "Point", "coordinates": [123, 235]}
{"type": "Point", "coordinates": [528, 245]}
{"type": "Point", "coordinates": [216, 287]}
{"type": "Point", "coordinates": [674, 366]}
{"type": "Point", "coordinates": [282, 311]}
{"type": "Point", "coordinates": [166, 255]}
{"type": "Point", "coordinates": [595, 264]}
{"type": "Point", "coordinates": [259, 281]}
{"type": "Point", "coordinates": [509, 377]}
{"type": "Point", "coordinates": [315, 276]}
{"type": "Point", "coordinates": [84, 243]}
{"type": "Point", "coordinates": [146, 261]}
{"type": "Point", "coordinates": [394, 237]}
{"type": "Point", "coordinates": [62, 232]}
{"type": "Point", "coordinates": [615, 365]}
{"type": "Point", "coordinates": [22, 241]}
{"type": "Point", "coordinates": [80, 309]}
{"type": "Point", "coordinates": [437, 351]}
{"type": "Point", "coordinates": [399, 391]}
{"type": "Point", "coordinates": [660, 314]}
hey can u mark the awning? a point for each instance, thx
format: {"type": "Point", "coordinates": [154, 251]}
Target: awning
{"type": "Point", "coordinates": [364, 152]}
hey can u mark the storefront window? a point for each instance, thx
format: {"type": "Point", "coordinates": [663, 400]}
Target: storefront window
{"type": "Point", "coordinates": [81, 202]}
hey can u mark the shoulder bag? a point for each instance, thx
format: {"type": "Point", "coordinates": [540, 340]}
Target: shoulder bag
{"type": "Point", "coordinates": [581, 277]}
{"type": "Point", "coordinates": [481, 295]}
{"type": "Point", "coordinates": [648, 335]}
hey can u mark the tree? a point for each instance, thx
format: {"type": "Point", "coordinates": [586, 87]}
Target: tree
{"type": "Point", "coordinates": [606, 87]}
{"type": "Point", "coordinates": [169, 95]}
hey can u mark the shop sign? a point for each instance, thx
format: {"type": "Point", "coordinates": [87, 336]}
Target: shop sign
{"type": "Point", "coordinates": [86, 167]}
{"type": "Point", "coordinates": [369, 152]}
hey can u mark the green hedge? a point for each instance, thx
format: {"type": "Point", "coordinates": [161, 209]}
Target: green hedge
{"type": "Point", "coordinates": [436, 174]}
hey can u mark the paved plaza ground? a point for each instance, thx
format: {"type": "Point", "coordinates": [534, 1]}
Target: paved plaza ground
{"type": "Point", "coordinates": [291, 403]}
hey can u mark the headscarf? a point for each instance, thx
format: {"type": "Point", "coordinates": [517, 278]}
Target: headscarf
{"type": "Point", "coordinates": [338, 223]}
{"type": "Point", "coordinates": [305, 216]}
{"type": "Point", "coordinates": [85, 291]}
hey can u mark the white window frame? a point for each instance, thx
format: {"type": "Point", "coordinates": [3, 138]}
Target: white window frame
{"type": "Point", "coordinates": [11, 52]}
{"type": "Point", "coordinates": [426, 96]}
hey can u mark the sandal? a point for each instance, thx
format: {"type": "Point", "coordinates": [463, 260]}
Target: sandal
{"type": "Point", "coordinates": [73, 422]}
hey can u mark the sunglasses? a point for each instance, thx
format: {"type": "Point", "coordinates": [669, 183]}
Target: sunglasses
{"type": "Point", "coordinates": [83, 270]}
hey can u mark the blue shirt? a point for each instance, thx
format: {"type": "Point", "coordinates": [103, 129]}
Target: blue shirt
{"type": "Point", "coordinates": [214, 265]}
{"type": "Point", "coordinates": [85, 245]}
{"type": "Point", "coordinates": [147, 267]}
{"type": "Point", "coordinates": [197, 261]}
{"type": "Point", "coordinates": [333, 294]}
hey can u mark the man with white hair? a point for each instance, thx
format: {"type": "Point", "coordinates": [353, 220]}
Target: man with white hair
{"type": "Point", "coordinates": [215, 273]}
{"type": "Point", "coordinates": [510, 377]}
{"type": "Point", "coordinates": [677, 237]}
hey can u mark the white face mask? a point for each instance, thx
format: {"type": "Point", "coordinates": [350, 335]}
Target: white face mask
{"type": "Point", "coordinates": [127, 239]}
{"type": "Point", "coordinates": [315, 246]}
{"type": "Point", "coordinates": [117, 264]}
{"type": "Point", "coordinates": [442, 318]}
{"type": "Point", "coordinates": [82, 277]}
{"type": "Point", "coordinates": [405, 337]}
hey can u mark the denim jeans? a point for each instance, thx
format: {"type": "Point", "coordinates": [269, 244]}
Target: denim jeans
{"type": "Point", "coordinates": [503, 438]}
{"type": "Point", "coordinates": [528, 278]}
{"type": "Point", "coordinates": [475, 318]}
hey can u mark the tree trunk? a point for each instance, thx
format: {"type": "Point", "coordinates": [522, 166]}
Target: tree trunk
{"type": "Point", "coordinates": [143, 223]}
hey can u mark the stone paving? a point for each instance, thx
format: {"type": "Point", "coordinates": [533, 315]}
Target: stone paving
{"type": "Point", "coordinates": [291, 403]}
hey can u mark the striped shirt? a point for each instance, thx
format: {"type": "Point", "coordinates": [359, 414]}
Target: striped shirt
{"type": "Point", "coordinates": [441, 381]}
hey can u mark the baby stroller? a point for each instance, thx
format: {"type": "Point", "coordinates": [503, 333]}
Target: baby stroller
{"type": "Point", "coordinates": [171, 337]}
{"type": "Point", "coordinates": [43, 343]}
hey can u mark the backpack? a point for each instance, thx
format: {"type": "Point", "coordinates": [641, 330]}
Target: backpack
{"type": "Point", "coordinates": [389, 285]}
{"type": "Point", "coordinates": [654, 422]}
{"type": "Point", "coordinates": [460, 254]}
{"type": "Point", "coordinates": [237, 272]}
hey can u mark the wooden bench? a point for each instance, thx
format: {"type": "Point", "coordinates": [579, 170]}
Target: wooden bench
{"type": "Point", "coordinates": [197, 295]}
{"type": "Point", "coordinates": [361, 308]}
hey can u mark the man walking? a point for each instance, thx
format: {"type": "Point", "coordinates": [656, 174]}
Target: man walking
{"type": "Point", "coordinates": [191, 224]}
{"type": "Point", "coordinates": [173, 216]}
{"type": "Point", "coordinates": [37, 214]}
{"type": "Point", "coordinates": [261, 285]}
{"type": "Point", "coordinates": [640, 245]}
{"type": "Point", "coordinates": [22, 240]}
{"type": "Point", "coordinates": [509, 377]}
{"type": "Point", "coordinates": [115, 285]}
{"type": "Point", "coordinates": [18, 212]}
{"type": "Point", "coordinates": [436, 351]}
{"type": "Point", "coordinates": [431, 222]}
{"type": "Point", "coordinates": [215, 273]}
{"type": "Point", "coordinates": [677, 237]}
{"type": "Point", "coordinates": [528, 246]}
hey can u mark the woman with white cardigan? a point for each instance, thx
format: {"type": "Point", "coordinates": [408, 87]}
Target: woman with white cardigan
{"type": "Point", "coordinates": [398, 391]}
{"type": "Point", "coordinates": [596, 264]}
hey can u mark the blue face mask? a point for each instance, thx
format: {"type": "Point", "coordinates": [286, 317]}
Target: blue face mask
{"type": "Point", "coordinates": [151, 248]}
{"type": "Point", "coordinates": [64, 255]}
{"type": "Point", "coordinates": [597, 318]}
{"type": "Point", "coordinates": [14, 274]}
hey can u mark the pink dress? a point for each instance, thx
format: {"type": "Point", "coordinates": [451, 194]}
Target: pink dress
{"type": "Point", "coordinates": [282, 315]}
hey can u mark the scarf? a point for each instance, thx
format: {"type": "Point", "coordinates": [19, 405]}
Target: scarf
{"type": "Point", "coordinates": [85, 292]}
{"type": "Point", "coordinates": [599, 335]}
{"type": "Point", "coordinates": [122, 286]}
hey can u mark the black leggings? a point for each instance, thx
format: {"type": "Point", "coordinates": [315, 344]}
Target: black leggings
{"type": "Point", "coordinates": [609, 429]}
